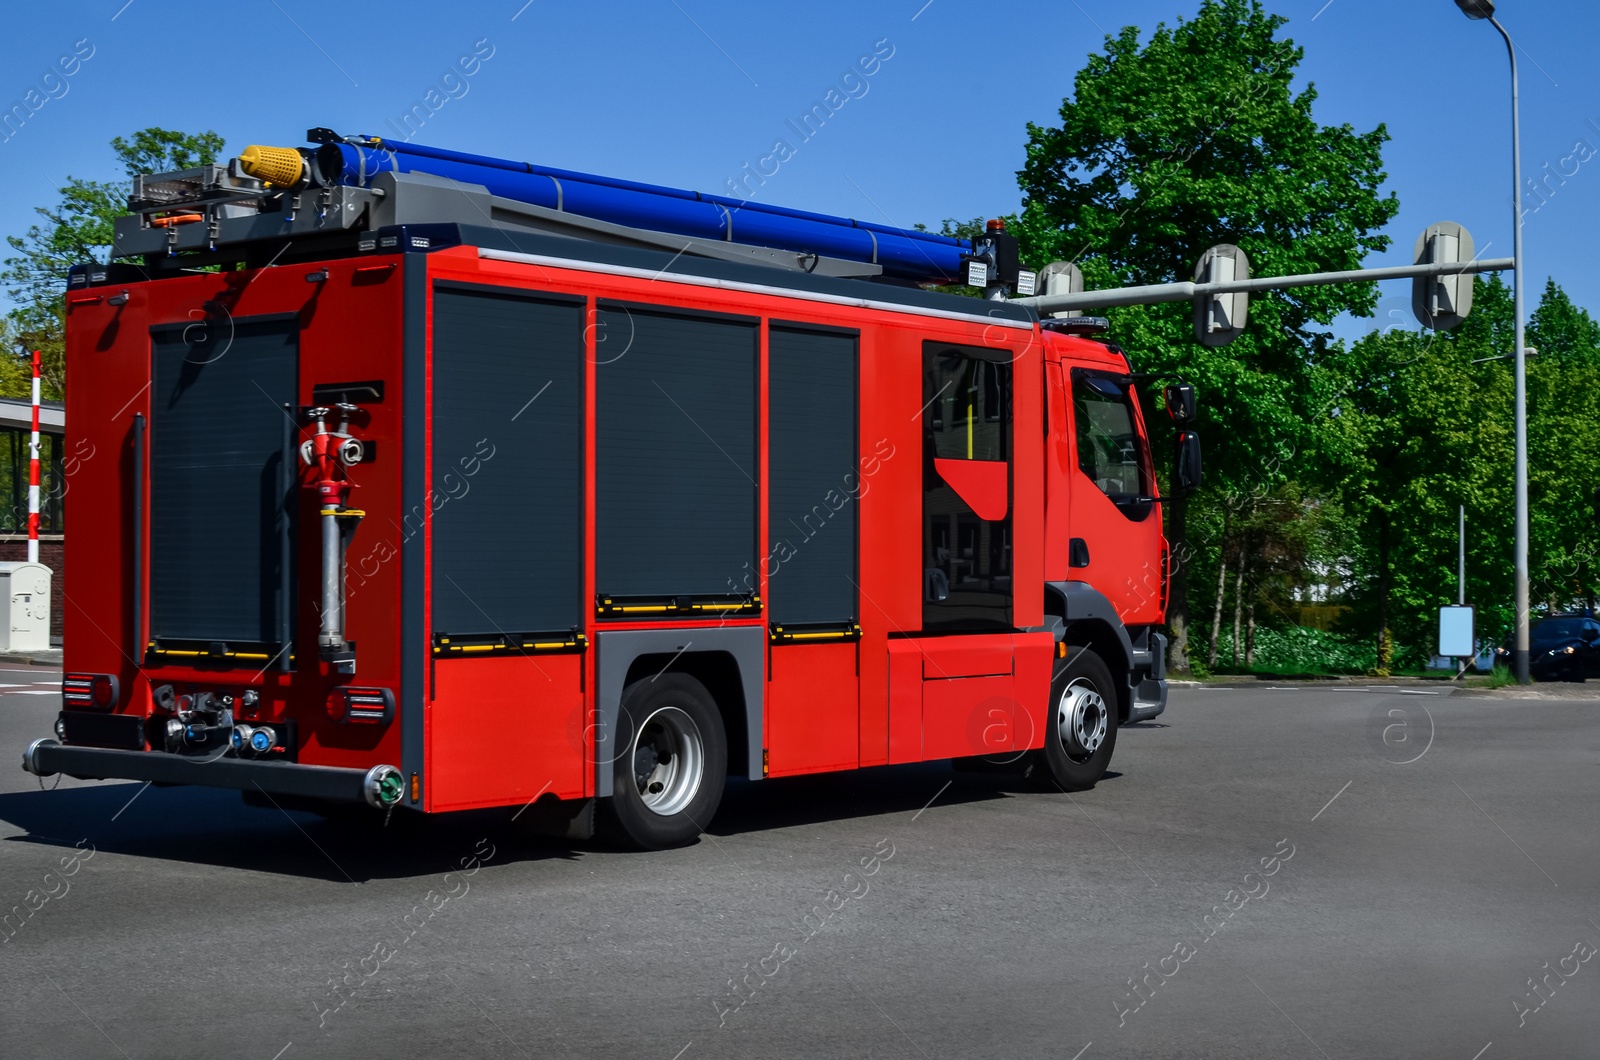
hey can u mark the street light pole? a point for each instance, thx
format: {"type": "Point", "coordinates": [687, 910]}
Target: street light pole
{"type": "Point", "coordinates": [1484, 9]}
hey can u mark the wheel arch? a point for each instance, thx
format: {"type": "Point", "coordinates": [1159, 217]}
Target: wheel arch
{"type": "Point", "coordinates": [728, 661]}
{"type": "Point", "coordinates": [1087, 620]}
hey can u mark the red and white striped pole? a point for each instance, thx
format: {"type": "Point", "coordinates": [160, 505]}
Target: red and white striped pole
{"type": "Point", "coordinates": [33, 471]}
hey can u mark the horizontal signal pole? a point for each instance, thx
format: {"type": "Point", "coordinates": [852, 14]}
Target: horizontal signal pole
{"type": "Point", "coordinates": [1187, 291]}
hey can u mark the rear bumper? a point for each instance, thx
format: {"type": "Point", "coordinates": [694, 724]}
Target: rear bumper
{"type": "Point", "coordinates": [47, 757]}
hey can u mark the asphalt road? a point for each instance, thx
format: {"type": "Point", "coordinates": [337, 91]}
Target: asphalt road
{"type": "Point", "coordinates": [1377, 884]}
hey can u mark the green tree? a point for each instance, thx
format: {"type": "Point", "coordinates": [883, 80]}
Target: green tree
{"type": "Point", "coordinates": [16, 374]}
{"type": "Point", "coordinates": [157, 150]}
{"type": "Point", "coordinates": [1419, 430]}
{"type": "Point", "coordinates": [1192, 139]}
{"type": "Point", "coordinates": [1563, 452]}
{"type": "Point", "coordinates": [78, 228]}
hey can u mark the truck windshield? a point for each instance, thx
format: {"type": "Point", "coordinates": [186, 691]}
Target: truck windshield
{"type": "Point", "coordinates": [1110, 450]}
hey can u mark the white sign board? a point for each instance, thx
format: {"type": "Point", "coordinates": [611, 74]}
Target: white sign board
{"type": "Point", "coordinates": [1455, 632]}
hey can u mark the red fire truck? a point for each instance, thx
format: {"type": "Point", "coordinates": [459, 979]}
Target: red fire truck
{"type": "Point", "coordinates": [420, 487]}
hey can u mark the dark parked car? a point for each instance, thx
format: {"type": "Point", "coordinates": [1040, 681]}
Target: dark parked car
{"type": "Point", "coordinates": [1565, 648]}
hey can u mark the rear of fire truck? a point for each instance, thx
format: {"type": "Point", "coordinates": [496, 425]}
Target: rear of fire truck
{"type": "Point", "coordinates": [245, 423]}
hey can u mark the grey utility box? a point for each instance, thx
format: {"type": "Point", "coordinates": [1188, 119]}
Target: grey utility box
{"type": "Point", "coordinates": [25, 588]}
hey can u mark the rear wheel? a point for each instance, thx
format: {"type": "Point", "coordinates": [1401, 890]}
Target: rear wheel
{"type": "Point", "coordinates": [1082, 730]}
{"type": "Point", "coordinates": [667, 779]}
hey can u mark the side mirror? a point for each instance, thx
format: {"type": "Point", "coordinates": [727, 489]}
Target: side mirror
{"type": "Point", "coordinates": [1181, 402]}
{"type": "Point", "coordinates": [1186, 467]}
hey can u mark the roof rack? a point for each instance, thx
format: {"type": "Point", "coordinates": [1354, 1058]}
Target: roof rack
{"type": "Point", "coordinates": [271, 196]}
{"type": "Point", "coordinates": [194, 217]}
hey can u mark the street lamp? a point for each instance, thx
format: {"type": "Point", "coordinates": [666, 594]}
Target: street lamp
{"type": "Point", "coordinates": [1484, 9]}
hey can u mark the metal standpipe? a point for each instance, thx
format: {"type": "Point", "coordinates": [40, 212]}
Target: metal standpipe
{"type": "Point", "coordinates": [330, 453]}
{"type": "Point", "coordinates": [331, 636]}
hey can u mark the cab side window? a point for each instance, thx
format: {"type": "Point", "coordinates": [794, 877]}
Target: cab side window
{"type": "Point", "coordinates": [966, 509]}
{"type": "Point", "coordinates": [1110, 451]}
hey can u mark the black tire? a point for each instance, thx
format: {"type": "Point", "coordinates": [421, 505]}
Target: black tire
{"type": "Point", "coordinates": [669, 801]}
{"type": "Point", "coordinates": [1082, 689]}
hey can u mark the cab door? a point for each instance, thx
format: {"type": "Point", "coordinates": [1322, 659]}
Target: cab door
{"type": "Point", "coordinates": [1113, 520]}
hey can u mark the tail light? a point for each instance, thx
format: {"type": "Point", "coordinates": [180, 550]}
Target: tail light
{"type": "Point", "coordinates": [93, 691]}
{"type": "Point", "coordinates": [361, 706]}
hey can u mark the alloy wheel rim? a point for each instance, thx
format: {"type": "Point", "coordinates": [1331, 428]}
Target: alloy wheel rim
{"type": "Point", "coordinates": [1081, 719]}
{"type": "Point", "coordinates": [668, 761]}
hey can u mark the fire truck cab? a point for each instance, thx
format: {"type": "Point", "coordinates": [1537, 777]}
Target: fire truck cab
{"type": "Point", "coordinates": [419, 495]}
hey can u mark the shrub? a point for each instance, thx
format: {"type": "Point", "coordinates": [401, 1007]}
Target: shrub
{"type": "Point", "coordinates": [1299, 649]}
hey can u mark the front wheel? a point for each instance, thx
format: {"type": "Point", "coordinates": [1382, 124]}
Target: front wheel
{"type": "Point", "coordinates": [668, 778]}
{"type": "Point", "coordinates": [1082, 730]}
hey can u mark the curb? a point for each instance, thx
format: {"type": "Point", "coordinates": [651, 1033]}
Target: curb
{"type": "Point", "coordinates": [51, 658]}
{"type": "Point", "coordinates": [1316, 682]}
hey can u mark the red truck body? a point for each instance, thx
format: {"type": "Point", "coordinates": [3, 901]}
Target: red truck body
{"type": "Point", "coordinates": [555, 434]}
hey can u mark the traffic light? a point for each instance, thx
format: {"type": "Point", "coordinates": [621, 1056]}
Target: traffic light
{"type": "Point", "coordinates": [1442, 302]}
{"type": "Point", "coordinates": [1220, 318]}
{"type": "Point", "coordinates": [1061, 277]}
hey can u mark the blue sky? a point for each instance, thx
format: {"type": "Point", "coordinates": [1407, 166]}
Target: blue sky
{"type": "Point", "coordinates": [685, 92]}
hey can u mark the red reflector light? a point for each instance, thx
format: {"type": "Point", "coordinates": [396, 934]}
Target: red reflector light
{"type": "Point", "coordinates": [361, 706]}
{"type": "Point", "coordinates": [95, 691]}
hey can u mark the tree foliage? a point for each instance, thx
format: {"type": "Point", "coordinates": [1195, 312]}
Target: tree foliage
{"type": "Point", "coordinates": [1420, 431]}
{"type": "Point", "coordinates": [1193, 138]}
{"type": "Point", "coordinates": [78, 228]}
